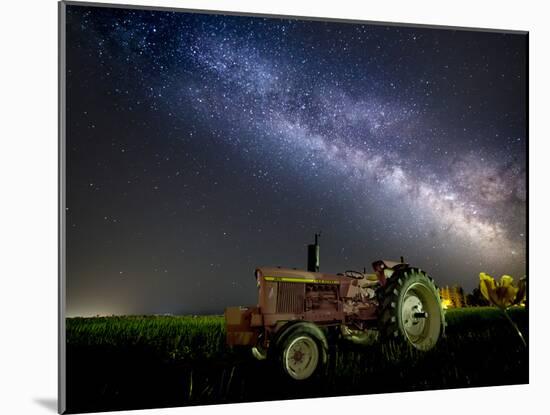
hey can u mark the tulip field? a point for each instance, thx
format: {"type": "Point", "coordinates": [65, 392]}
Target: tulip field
{"type": "Point", "coordinates": [136, 362]}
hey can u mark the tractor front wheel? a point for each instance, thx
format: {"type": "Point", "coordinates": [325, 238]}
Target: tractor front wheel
{"type": "Point", "coordinates": [301, 351]}
{"type": "Point", "coordinates": [300, 356]}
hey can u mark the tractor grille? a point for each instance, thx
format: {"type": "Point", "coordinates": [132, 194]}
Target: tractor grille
{"type": "Point", "coordinates": [290, 298]}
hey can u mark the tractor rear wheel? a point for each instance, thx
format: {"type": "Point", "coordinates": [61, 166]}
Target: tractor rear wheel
{"type": "Point", "coordinates": [411, 309]}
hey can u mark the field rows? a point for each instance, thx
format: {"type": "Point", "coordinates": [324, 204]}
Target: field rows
{"type": "Point", "coordinates": [139, 362]}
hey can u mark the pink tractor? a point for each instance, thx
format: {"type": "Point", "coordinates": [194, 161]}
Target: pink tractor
{"type": "Point", "coordinates": [297, 309]}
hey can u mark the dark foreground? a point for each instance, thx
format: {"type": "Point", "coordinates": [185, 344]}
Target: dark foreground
{"type": "Point", "coordinates": [118, 363]}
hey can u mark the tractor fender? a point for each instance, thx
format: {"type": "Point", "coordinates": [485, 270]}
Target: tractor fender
{"type": "Point", "coordinates": [310, 328]}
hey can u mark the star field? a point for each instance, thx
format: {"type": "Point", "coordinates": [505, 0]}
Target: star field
{"type": "Point", "coordinates": [201, 146]}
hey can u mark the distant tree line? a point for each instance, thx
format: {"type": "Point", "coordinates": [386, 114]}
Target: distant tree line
{"type": "Point", "coordinates": [454, 297]}
{"type": "Point", "coordinates": [476, 299]}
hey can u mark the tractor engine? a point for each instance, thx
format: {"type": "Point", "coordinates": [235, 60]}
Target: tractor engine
{"type": "Point", "coordinates": [321, 297]}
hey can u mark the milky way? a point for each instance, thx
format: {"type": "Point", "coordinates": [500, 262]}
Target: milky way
{"type": "Point", "coordinates": [390, 140]}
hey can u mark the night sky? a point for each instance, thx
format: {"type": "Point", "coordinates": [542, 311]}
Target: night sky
{"type": "Point", "coordinates": [202, 146]}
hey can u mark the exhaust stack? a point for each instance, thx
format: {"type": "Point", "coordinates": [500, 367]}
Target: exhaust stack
{"type": "Point", "coordinates": [313, 255]}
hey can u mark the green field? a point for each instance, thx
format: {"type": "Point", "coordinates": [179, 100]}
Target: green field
{"type": "Point", "coordinates": [145, 362]}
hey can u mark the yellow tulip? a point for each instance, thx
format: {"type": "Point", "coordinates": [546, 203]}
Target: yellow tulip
{"type": "Point", "coordinates": [503, 293]}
